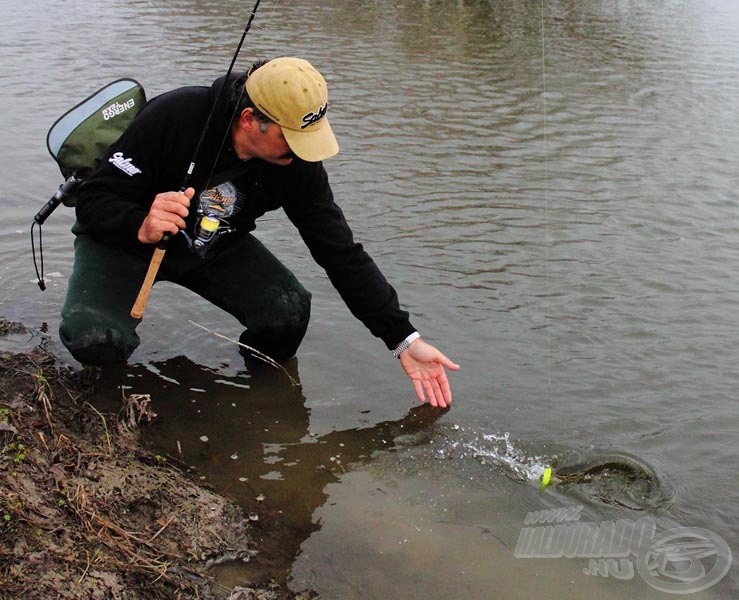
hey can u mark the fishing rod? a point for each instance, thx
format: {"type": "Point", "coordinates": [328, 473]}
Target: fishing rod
{"type": "Point", "coordinates": [137, 311]}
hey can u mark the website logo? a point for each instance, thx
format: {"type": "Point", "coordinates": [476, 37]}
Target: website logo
{"type": "Point", "coordinates": [682, 560]}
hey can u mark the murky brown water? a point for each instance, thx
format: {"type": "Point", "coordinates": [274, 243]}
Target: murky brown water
{"type": "Point", "coordinates": [551, 186]}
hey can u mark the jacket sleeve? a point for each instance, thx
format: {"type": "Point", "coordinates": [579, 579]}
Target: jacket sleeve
{"type": "Point", "coordinates": [354, 274]}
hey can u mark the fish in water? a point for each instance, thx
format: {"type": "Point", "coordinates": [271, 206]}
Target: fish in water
{"type": "Point", "coordinates": [613, 477]}
{"type": "Point", "coordinates": [625, 466]}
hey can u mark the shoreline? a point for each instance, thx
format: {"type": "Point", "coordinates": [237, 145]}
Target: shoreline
{"type": "Point", "coordinates": [87, 511]}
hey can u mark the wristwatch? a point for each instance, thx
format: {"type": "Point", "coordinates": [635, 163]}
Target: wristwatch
{"type": "Point", "coordinates": [403, 346]}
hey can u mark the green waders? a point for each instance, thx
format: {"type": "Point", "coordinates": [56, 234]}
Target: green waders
{"type": "Point", "coordinates": [240, 276]}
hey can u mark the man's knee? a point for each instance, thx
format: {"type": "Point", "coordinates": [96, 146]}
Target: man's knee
{"type": "Point", "coordinates": [94, 339]}
{"type": "Point", "coordinates": [281, 326]}
{"type": "Point", "coordinates": [291, 309]}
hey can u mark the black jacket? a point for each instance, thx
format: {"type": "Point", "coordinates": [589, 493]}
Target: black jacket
{"type": "Point", "coordinates": [153, 155]}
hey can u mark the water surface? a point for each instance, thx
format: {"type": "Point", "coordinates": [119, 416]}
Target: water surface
{"type": "Point", "coordinates": [551, 187]}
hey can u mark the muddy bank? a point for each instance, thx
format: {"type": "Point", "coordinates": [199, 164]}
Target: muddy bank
{"type": "Point", "coordinates": [86, 512]}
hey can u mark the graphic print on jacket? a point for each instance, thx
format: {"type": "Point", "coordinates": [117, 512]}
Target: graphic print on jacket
{"type": "Point", "coordinates": [216, 206]}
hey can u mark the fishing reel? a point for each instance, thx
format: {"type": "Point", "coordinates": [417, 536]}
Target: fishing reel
{"type": "Point", "coordinates": [209, 227]}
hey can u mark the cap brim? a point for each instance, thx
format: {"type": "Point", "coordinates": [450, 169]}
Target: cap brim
{"type": "Point", "coordinates": [313, 144]}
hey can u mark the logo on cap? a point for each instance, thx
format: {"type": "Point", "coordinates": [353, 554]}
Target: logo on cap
{"type": "Point", "coordinates": [311, 117]}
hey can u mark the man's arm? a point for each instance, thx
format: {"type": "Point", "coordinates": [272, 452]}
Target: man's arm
{"type": "Point", "coordinates": [362, 286]}
{"type": "Point", "coordinates": [365, 290]}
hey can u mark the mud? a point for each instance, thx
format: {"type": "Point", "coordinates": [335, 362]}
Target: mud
{"type": "Point", "coordinates": [87, 512]}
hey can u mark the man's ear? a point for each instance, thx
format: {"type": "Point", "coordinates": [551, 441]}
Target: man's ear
{"type": "Point", "coordinates": [246, 118]}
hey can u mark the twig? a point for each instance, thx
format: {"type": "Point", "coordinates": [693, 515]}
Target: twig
{"type": "Point", "coordinates": [105, 427]}
{"type": "Point", "coordinates": [260, 355]}
{"type": "Point", "coordinates": [87, 568]}
{"type": "Point", "coordinates": [43, 441]}
{"type": "Point", "coordinates": [163, 527]}
{"type": "Point", "coordinates": [41, 394]}
{"type": "Point", "coordinates": [136, 408]}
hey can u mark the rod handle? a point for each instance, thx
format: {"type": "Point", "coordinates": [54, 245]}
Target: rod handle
{"type": "Point", "coordinates": [139, 306]}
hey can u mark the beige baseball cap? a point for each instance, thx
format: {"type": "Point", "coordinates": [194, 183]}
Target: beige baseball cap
{"type": "Point", "coordinates": [294, 95]}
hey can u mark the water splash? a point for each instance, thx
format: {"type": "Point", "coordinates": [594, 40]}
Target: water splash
{"type": "Point", "coordinates": [630, 482]}
{"type": "Point", "coordinates": [518, 461]}
{"type": "Point", "coordinates": [598, 475]}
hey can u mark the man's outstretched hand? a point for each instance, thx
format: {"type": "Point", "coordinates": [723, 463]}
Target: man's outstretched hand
{"type": "Point", "coordinates": [424, 366]}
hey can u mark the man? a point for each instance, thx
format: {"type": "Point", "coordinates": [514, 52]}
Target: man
{"type": "Point", "coordinates": [278, 134]}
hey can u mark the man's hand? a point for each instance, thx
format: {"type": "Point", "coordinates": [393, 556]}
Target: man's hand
{"type": "Point", "coordinates": [166, 215]}
{"type": "Point", "coordinates": [424, 365]}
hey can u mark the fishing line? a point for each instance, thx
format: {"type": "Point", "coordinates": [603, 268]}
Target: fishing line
{"type": "Point", "coordinates": [272, 14]}
{"type": "Point", "coordinates": [547, 309]}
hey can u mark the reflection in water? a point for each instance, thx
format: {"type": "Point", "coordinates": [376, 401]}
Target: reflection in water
{"type": "Point", "coordinates": [248, 435]}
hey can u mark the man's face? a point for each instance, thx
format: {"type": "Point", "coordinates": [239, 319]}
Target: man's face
{"type": "Point", "coordinates": [257, 139]}
{"type": "Point", "coordinates": [273, 146]}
